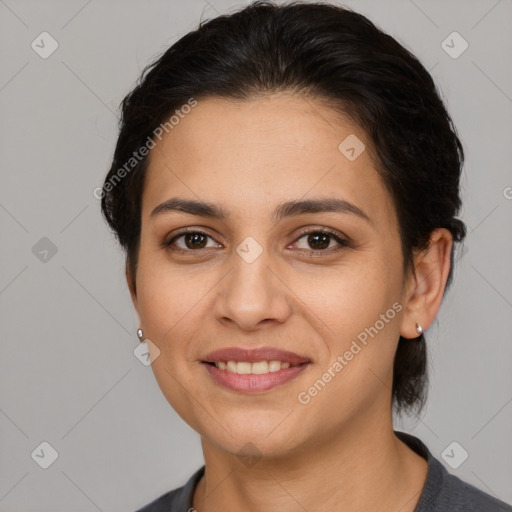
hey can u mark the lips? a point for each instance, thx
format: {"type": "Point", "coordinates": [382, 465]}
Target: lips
{"type": "Point", "coordinates": [255, 355]}
{"type": "Point", "coordinates": [283, 366]}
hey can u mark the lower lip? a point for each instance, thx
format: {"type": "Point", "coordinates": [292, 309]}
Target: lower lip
{"type": "Point", "coordinates": [253, 382]}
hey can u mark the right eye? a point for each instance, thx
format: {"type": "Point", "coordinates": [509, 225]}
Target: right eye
{"type": "Point", "coordinates": [192, 240]}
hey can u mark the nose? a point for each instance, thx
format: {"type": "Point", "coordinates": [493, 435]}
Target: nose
{"type": "Point", "coordinates": [252, 294]}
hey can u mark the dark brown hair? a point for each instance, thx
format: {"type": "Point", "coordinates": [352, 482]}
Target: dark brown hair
{"type": "Point", "coordinates": [330, 53]}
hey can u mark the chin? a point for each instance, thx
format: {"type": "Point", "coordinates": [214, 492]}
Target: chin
{"type": "Point", "coordinates": [268, 439]}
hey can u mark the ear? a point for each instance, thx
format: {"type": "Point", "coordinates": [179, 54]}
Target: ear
{"type": "Point", "coordinates": [426, 283]}
{"type": "Point", "coordinates": [130, 280]}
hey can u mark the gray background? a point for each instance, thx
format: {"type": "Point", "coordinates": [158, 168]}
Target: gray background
{"type": "Point", "coordinates": [68, 375]}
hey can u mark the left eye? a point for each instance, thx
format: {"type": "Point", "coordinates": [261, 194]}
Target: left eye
{"type": "Point", "coordinates": [320, 240]}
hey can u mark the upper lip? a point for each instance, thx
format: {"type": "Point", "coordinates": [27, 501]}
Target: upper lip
{"type": "Point", "coordinates": [254, 355]}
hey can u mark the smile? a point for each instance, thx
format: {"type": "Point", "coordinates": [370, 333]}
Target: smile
{"type": "Point", "coordinates": [246, 367]}
{"type": "Point", "coordinates": [245, 377]}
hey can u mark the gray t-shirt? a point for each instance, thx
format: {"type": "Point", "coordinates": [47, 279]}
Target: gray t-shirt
{"type": "Point", "coordinates": [442, 492]}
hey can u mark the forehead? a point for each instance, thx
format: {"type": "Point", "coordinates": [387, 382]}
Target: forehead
{"type": "Point", "coordinates": [253, 154]}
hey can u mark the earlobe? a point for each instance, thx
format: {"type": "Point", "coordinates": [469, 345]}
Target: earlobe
{"type": "Point", "coordinates": [130, 280]}
{"type": "Point", "coordinates": [427, 283]}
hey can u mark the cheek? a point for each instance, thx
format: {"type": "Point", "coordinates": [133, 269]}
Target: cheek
{"type": "Point", "coordinates": [360, 309]}
{"type": "Point", "coordinates": [363, 319]}
{"type": "Point", "coordinates": [339, 301]}
{"type": "Point", "coordinates": [343, 304]}
{"type": "Point", "coordinates": [348, 299]}
{"type": "Point", "coordinates": [169, 302]}
{"type": "Point", "coordinates": [166, 296]}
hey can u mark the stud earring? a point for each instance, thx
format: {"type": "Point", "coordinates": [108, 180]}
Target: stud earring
{"type": "Point", "coordinates": [140, 335]}
{"type": "Point", "coordinates": [419, 329]}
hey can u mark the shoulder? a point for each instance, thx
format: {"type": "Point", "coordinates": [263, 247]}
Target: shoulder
{"type": "Point", "coordinates": [164, 503]}
{"type": "Point", "coordinates": [455, 495]}
{"type": "Point", "coordinates": [444, 492]}
{"type": "Point", "coordinates": [176, 500]}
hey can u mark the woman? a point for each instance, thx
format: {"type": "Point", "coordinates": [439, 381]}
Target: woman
{"type": "Point", "coordinates": [286, 188]}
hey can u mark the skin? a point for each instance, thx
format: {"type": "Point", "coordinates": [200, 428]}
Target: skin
{"type": "Point", "coordinates": [339, 451]}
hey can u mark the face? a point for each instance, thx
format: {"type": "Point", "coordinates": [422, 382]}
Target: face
{"type": "Point", "coordinates": [325, 284]}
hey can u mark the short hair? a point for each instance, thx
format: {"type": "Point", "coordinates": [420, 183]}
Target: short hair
{"type": "Point", "coordinates": [335, 55]}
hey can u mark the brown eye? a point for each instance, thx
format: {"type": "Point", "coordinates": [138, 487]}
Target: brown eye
{"type": "Point", "coordinates": [322, 240]}
{"type": "Point", "coordinates": [190, 240]}
{"type": "Point", "coordinates": [194, 240]}
{"type": "Point", "coordinates": [319, 241]}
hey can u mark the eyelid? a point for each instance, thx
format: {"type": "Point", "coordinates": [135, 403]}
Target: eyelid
{"type": "Point", "coordinates": [168, 240]}
{"type": "Point", "coordinates": [340, 238]}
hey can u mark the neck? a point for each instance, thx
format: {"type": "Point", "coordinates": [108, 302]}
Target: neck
{"type": "Point", "coordinates": [353, 469]}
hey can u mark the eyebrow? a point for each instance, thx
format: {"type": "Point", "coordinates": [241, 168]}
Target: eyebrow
{"type": "Point", "coordinates": [287, 209]}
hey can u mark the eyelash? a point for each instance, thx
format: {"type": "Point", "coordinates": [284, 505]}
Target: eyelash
{"type": "Point", "coordinates": [325, 231]}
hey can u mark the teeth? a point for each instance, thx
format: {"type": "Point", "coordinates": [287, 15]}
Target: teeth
{"type": "Point", "coordinates": [274, 366]}
{"type": "Point", "coordinates": [245, 368]}
{"type": "Point", "coordinates": [259, 367]}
